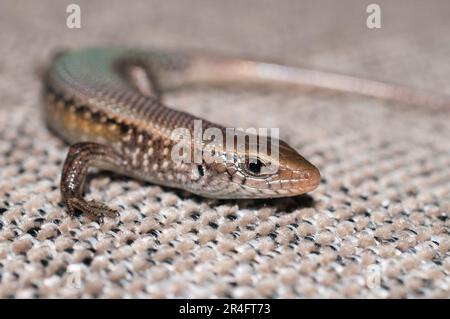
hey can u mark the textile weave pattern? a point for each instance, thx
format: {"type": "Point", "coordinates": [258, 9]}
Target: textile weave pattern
{"type": "Point", "coordinates": [377, 226]}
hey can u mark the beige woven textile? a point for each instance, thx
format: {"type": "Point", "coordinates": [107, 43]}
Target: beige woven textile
{"type": "Point", "coordinates": [377, 226]}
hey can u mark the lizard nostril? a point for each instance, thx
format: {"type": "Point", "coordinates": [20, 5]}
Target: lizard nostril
{"type": "Point", "coordinates": [306, 175]}
{"type": "Point", "coordinates": [310, 177]}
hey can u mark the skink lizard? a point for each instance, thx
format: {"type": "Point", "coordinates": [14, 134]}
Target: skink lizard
{"type": "Point", "coordinates": [106, 103]}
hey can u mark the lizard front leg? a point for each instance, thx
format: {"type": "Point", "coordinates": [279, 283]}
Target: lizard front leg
{"type": "Point", "coordinates": [81, 156]}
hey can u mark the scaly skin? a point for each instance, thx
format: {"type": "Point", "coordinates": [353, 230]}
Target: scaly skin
{"type": "Point", "coordinates": [105, 103]}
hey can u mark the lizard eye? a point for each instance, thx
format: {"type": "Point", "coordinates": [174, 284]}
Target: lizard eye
{"type": "Point", "coordinates": [253, 166]}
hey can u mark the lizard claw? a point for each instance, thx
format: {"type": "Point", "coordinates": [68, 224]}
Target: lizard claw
{"type": "Point", "coordinates": [92, 207]}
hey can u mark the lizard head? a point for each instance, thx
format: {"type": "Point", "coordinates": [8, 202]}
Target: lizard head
{"type": "Point", "coordinates": [249, 173]}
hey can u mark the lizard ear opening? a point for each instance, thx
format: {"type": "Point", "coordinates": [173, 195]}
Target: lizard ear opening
{"type": "Point", "coordinates": [201, 170]}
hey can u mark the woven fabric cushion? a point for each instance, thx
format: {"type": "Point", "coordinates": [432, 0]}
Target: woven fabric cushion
{"type": "Point", "coordinates": [376, 227]}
